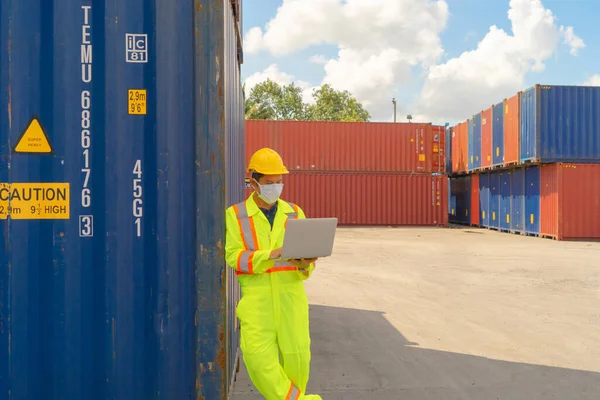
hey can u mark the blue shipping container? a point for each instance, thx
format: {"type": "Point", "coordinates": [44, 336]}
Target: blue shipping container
{"type": "Point", "coordinates": [470, 146]}
{"type": "Point", "coordinates": [476, 134]}
{"type": "Point", "coordinates": [504, 183]}
{"type": "Point", "coordinates": [498, 135]}
{"type": "Point", "coordinates": [494, 181]}
{"type": "Point", "coordinates": [121, 145]}
{"type": "Point", "coordinates": [517, 200]}
{"type": "Point", "coordinates": [460, 200]}
{"type": "Point", "coordinates": [448, 150]}
{"type": "Point", "coordinates": [560, 124]}
{"type": "Point", "coordinates": [452, 215]}
{"type": "Point", "coordinates": [484, 200]}
{"type": "Point", "coordinates": [532, 200]}
{"type": "Point", "coordinates": [235, 146]}
{"type": "Point", "coordinates": [465, 204]}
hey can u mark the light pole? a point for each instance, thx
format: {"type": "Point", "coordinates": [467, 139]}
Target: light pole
{"type": "Point", "coordinates": [394, 102]}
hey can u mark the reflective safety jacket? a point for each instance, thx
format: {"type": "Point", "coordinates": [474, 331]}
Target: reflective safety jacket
{"type": "Point", "coordinates": [273, 310]}
{"type": "Point", "coordinates": [250, 240]}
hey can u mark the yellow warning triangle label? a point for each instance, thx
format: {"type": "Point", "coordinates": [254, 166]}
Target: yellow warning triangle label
{"type": "Point", "coordinates": [34, 140]}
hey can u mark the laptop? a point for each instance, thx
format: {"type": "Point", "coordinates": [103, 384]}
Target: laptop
{"type": "Point", "coordinates": [309, 238]}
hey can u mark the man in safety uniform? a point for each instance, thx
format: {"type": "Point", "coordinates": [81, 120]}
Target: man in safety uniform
{"type": "Point", "coordinates": [273, 311]}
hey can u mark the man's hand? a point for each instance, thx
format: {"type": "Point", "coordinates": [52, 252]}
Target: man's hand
{"type": "Point", "coordinates": [275, 254]}
{"type": "Point", "coordinates": [303, 263]}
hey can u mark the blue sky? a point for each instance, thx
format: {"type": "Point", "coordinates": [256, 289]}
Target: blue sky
{"type": "Point", "coordinates": [467, 23]}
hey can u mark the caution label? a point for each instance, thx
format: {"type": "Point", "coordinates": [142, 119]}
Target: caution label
{"type": "Point", "coordinates": [137, 101]}
{"type": "Point", "coordinates": [33, 140]}
{"type": "Point", "coordinates": [34, 200]}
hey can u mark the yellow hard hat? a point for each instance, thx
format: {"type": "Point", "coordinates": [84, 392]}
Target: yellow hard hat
{"type": "Point", "coordinates": [267, 162]}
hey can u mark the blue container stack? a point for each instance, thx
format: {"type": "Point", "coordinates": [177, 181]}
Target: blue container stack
{"type": "Point", "coordinates": [557, 124]}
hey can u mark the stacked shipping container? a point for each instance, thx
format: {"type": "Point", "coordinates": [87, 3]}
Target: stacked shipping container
{"type": "Point", "coordinates": [545, 170]}
{"type": "Point", "coordinates": [361, 173]}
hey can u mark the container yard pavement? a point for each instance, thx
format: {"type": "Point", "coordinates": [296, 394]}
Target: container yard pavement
{"type": "Point", "coordinates": [453, 314]}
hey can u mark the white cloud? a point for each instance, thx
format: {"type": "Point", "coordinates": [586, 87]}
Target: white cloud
{"type": "Point", "coordinates": [496, 68]}
{"type": "Point", "coordinates": [381, 42]}
{"type": "Point", "coordinates": [572, 40]}
{"type": "Point", "coordinates": [273, 73]}
{"type": "Point", "coordinates": [253, 40]}
{"type": "Point", "coordinates": [593, 80]}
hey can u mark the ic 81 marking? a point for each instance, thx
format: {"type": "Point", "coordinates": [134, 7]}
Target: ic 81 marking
{"type": "Point", "coordinates": [138, 209]}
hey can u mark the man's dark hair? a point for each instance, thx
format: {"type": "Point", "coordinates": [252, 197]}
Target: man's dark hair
{"type": "Point", "coordinates": [256, 176]}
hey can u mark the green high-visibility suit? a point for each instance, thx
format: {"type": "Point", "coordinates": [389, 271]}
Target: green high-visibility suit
{"type": "Point", "coordinates": [273, 310]}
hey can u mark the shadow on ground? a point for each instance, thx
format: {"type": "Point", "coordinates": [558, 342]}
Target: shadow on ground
{"type": "Point", "coordinates": [359, 355]}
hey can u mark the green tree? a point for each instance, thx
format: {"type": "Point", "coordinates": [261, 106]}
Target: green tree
{"type": "Point", "coordinates": [334, 105]}
{"type": "Point", "coordinates": [271, 101]}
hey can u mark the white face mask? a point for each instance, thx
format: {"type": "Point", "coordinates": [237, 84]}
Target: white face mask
{"type": "Point", "coordinates": [270, 193]}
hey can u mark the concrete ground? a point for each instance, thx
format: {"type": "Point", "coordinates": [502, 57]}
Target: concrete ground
{"type": "Point", "coordinates": [453, 314]}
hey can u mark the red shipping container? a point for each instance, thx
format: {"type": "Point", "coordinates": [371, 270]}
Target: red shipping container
{"type": "Point", "coordinates": [455, 149]}
{"type": "Point", "coordinates": [570, 201]}
{"type": "Point", "coordinates": [370, 199]}
{"type": "Point", "coordinates": [463, 145]}
{"type": "Point", "coordinates": [345, 146]}
{"type": "Point", "coordinates": [438, 161]}
{"type": "Point", "coordinates": [486, 138]}
{"type": "Point", "coordinates": [512, 127]}
{"type": "Point", "coordinates": [475, 199]}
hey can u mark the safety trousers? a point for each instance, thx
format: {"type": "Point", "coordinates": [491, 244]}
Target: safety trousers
{"type": "Point", "coordinates": [275, 340]}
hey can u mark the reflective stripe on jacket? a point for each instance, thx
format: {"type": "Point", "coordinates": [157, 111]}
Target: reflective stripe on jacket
{"type": "Point", "coordinates": [250, 239]}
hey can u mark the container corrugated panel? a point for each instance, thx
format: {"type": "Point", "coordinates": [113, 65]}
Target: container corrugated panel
{"type": "Point", "coordinates": [470, 145]}
{"type": "Point", "coordinates": [461, 193]}
{"type": "Point", "coordinates": [532, 200]}
{"type": "Point", "coordinates": [476, 145]}
{"type": "Point", "coordinates": [463, 143]}
{"type": "Point", "coordinates": [512, 128]}
{"type": "Point", "coordinates": [451, 202]}
{"type": "Point", "coordinates": [504, 198]}
{"type": "Point", "coordinates": [560, 124]}
{"type": "Point", "coordinates": [517, 200]}
{"type": "Point", "coordinates": [484, 200]}
{"type": "Point", "coordinates": [371, 199]}
{"type": "Point", "coordinates": [234, 161]}
{"type": "Point", "coordinates": [345, 146]}
{"type": "Point", "coordinates": [465, 199]}
{"type": "Point", "coordinates": [498, 135]}
{"type": "Point", "coordinates": [494, 182]}
{"type": "Point", "coordinates": [474, 208]}
{"type": "Point", "coordinates": [456, 148]}
{"type": "Point", "coordinates": [453, 186]}
{"type": "Point", "coordinates": [486, 138]}
{"type": "Point", "coordinates": [118, 290]}
{"type": "Point", "coordinates": [570, 201]}
{"type": "Point", "coordinates": [438, 157]}
{"type": "Point", "coordinates": [449, 149]}
{"type": "Point", "coordinates": [438, 149]}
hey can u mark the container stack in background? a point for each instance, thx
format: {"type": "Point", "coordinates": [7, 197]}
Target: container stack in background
{"type": "Point", "coordinates": [362, 173]}
{"type": "Point", "coordinates": [530, 164]}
